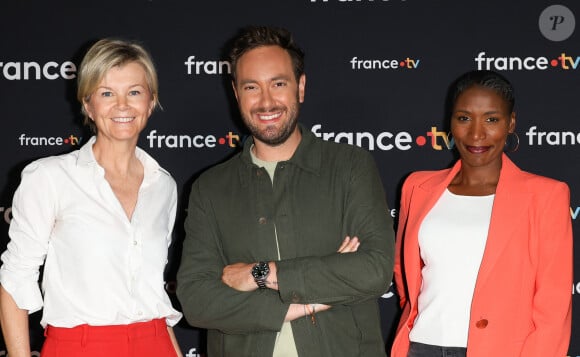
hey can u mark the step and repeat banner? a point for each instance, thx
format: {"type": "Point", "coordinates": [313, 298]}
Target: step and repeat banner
{"type": "Point", "coordinates": [378, 72]}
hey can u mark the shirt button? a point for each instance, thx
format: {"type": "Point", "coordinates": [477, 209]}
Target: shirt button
{"type": "Point", "coordinates": [481, 323]}
{"type": "Point", "coordinates": [140, 313]}
{"type": "Point", "coordinates": [262, 220]}
{"type": "Point", "coordinates": [134, 242]}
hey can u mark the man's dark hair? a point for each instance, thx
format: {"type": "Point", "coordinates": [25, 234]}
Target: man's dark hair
{"type": "Point", "coordinates": [257, 36]}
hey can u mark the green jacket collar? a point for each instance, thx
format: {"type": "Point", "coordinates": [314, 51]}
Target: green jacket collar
{"type": "Point", "coordinates": [308, 155]}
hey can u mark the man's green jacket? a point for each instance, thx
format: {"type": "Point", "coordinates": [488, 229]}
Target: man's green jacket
{"type": "Point", "coordinates": [325, 192]}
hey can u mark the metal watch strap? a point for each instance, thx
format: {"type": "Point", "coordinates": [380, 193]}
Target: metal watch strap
{"type": "Point", "coordinates": [261, 283]}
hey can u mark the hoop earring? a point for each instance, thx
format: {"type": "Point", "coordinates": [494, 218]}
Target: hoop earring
{"type": "Point", "coordinates": [515, 142]}
{"type": "Point", "coordinates": [450, 141]}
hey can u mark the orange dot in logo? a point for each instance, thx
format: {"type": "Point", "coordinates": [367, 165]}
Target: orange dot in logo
{"type": "Point", "coordinates": [222, 141]}
{"type": "Point", "coordinates": [554, 63]}
{"type": "Point", "coordinates": [420, 140]}
{"type": "Point", "coordinates": [402, 64]}
{"type": "Point", "coordinates": [65, 141]}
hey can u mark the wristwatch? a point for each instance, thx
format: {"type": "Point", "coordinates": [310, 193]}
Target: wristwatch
{"type": "Point", "coordinates": [260, 272]}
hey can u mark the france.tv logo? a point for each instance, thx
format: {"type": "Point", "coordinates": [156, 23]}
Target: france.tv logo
{"type": "Point", "coordinates": [26, 140]}
{"type": "Point", "coordinates": [386, 140]}
{"type": "Point", "coordinates": [563, 61]}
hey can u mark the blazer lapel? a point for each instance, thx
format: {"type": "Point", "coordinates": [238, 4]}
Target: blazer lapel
{"type": "Point", "coordinates": [509, 204]}
{"type": "Point", "coordinates": [424, 196]}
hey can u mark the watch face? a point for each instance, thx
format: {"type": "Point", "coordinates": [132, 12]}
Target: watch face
{"type": "Point", "coordinates": [260, 270]}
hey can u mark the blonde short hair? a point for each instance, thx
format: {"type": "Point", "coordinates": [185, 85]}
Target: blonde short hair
{"type": "Point", "coordinates": [104, 55]}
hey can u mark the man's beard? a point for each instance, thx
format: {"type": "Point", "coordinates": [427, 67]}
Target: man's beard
{"type": "Point", "coordinates": [271, 135]}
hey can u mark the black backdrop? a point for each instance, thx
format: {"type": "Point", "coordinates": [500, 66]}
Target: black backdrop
{"type": "Point", "coordinates": [377, 71]}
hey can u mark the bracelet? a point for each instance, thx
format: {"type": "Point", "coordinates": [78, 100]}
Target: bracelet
{"type": "Point", "coordinates": [311, 313]}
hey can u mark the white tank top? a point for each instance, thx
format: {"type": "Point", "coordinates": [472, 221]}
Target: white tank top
{"type": "Point", "coordinates": [452, 240]}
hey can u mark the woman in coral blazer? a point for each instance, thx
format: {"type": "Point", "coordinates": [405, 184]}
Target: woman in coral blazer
{"type": "Point", "coordinates": [501, 285]}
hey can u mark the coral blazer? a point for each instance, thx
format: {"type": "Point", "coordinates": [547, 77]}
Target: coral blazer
{"type": "Point", "coordinates": [522, 302]}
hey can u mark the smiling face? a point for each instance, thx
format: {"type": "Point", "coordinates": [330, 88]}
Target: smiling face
{"type": "Point", "coordinates": [121, 103]}
{"type": "Point", "coordinates": [480, 123]}
{"type": "Point", "coordinates": [268, 94]}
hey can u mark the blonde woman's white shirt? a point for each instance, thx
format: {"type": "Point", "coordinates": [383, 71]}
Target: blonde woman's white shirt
{"type": "Point", "coordinates": [100, 268]}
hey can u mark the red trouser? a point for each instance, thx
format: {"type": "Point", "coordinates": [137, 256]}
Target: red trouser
{"type": "Point", "coordinates": [142, 339]}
